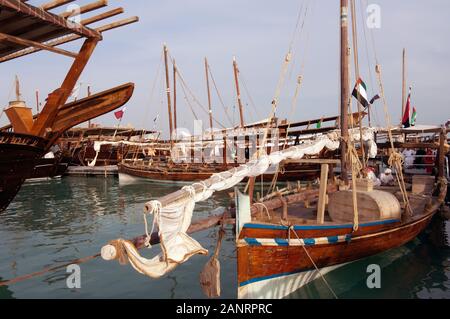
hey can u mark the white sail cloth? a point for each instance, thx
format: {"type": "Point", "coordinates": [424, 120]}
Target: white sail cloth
{"type": "Point", "coordinates": [174, 220]}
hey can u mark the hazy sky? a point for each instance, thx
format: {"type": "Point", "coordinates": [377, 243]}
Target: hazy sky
{"type": "Point", "coordinates": [258, 33]}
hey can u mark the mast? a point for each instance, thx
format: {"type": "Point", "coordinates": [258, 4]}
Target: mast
{"type": "Point", "coordinates": [37, 102]}
{"type": "Point", "coordinates": [175, 95]}
{"type": "Point", "coordinates": [89, 94]}
{"type": "Point", "coordinates": [18, 98]}
{"type": "Point", "coordinates": [238, 91]}
{"type": "Point", "coordinates": [345, 90]}
{"type": "Point", "coordinates": [209, 97]}
{"type": "Point", "coordinates": [169, 105]}
{"type": "Point", "coordinates": [403, 84]}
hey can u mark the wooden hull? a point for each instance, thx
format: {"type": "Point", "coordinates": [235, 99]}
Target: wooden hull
{"type": "Point", "coordinates": [49, 168]}
{"type": "Point", "coordinates": [269, 266]}
{"type": "Point", "coordinates": [193, 173]}
{"type": "Point", "coordinates": [18, 155]}
{"type": "Point", "coordinates": [108, 155]}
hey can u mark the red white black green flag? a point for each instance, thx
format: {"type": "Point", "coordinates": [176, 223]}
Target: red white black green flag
{"type": "Point", "coordinates": [406, 121]}
{"type": "Point", "coordinates": [360, 93]}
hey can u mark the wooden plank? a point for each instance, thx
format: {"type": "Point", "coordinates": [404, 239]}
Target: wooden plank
{"type": "Point", "coordinates": [55, 4]}
{"type": "Point", "coordinates": [86, 8]}
{"type": "Point", "coordinates": [34, 44]}
{"type": "Point", "coordinates": [70, 38]}
{"type": "Point", "coordinates": [50, 18]}
{"type": "Point", "coordinates": [322, 194]}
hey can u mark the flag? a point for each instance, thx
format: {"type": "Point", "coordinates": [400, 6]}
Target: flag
{"type": "Point", "coordinates": [414, 117]}
{"type": "Point", "coordinates": [376, 97]}
{"type": "Point", "coordinates": [406, 121]}
{"type": "Point", "coordinates": [319, 124]}
{"type": "Point", "coordinates": [119, 114]}
{"type": "Point", "coordinates": [360, 93]}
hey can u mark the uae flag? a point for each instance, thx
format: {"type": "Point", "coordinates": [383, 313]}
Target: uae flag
{"type": "Point", "coordinates": [414, 117]}
{"type": "Point", "coordinates": [406, 121]}
{"type": "Point", "coordinates": [360, 93]}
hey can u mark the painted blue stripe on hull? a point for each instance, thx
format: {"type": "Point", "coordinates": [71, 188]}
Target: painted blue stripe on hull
{"type": "Point", "coordinates": [252, 242]}
{"type": "Point", "coordinates": [349, 226]}
{"type": "Point", "coordinates": [333, 239]}
{"type": "Point", "coordinates": [281, 242]}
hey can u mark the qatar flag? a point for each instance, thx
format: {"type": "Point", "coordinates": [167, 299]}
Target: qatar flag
{"type": "Point", "coordinates": [119, 114]}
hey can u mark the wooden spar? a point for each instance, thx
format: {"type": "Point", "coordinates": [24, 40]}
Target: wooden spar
{"type": "Point", "coordinates": [55, 4]}
{"type": "Point", "coordinates": [238, 91]}
{"type": "Point", "coordinates": [175, 122]}
{"type": "Point", "coordinates": [28, 43]}
{"type": "Point", "coordinates": [169, 103]}
{"type": "Point", "coordinates": [403, 85]}
{"type": "Point", "coordinates": [209, 97]}
{"type": "Point", "coordinates": [85, 9]}
{"type": "Point", "coordinates": [47, 17]}
{"type": "Point", "coordinates": [345, 92]}
{"type": "Point", "coordinates": [70, 38]}
{"type": "Point", "coordinates": [60, 96]}
{"type": "Point", "coordinates": [102, 16]}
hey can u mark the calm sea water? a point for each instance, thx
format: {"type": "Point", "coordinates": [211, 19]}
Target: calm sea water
{"type": "Point", "coordinates": [53, 223]}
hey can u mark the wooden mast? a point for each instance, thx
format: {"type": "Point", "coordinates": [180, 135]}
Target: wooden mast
{"type": "Point", "coordinates": [89, 94]}
{"type": "Point", "coordinates": [169, 103]}
{"type": "Point", "coordinates": [345, 90]}
{"type": "Point", "coordinates": [37, 102]}
{"type": "Point", "coordinates": [209, 98]}
{"type": "Point", "coordinates": [238, 91]}
{"type": "Point", "coordinates": [403, 84]}
{"type": "Point", "coordinates": [175, 123]}
{"type": "Point", "coordinates": [18, 98]}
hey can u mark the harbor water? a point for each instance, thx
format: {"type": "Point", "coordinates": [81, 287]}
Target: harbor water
{"type": "Point", "coordinates": [55, 222]}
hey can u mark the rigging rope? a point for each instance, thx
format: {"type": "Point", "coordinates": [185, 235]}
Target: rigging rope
{"type": "Point", "coordinates": [291, 229]}
{"type": "Point", "coordinates": [395, 159]}
{"type": "Point", "coordinates": [226, 109]}
{"type": "Point", "coordinates": [193, 96]}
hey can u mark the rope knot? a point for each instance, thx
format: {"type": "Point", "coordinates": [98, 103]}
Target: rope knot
{"type": "Point", "coordinates": [153, 208]}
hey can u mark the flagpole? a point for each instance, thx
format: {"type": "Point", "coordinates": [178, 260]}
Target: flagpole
{"type": "Point", "coordinates": [403, 84]}
{"type": "Point", "coordinates": [117, 129]}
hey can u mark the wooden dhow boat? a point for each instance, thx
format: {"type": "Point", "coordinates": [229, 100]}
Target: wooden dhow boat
{"type": "Point", "coordinates": [26, 29]}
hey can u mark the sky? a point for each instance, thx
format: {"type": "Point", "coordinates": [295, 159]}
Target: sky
{"type": "Point", "coordinates": [259, 34]}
